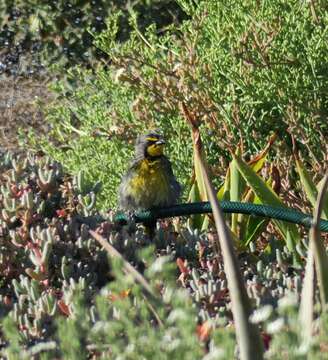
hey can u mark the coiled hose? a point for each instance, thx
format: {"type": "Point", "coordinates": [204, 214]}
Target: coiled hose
{"type": "Point", "coordinates": [279, 213]}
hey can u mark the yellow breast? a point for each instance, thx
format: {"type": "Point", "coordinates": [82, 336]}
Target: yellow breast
{"type": "Point", "coordinates": [150, 185]}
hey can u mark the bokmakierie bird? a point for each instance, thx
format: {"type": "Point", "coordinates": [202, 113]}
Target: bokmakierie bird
{"type": "Point", "coordinates": [149, 181]}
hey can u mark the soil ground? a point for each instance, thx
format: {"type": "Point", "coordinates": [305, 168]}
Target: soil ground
{"type": "Point", "coordinates": [20, 110]}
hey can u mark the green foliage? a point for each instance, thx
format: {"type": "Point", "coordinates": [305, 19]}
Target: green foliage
{"type": "Point", "coordinates": [243, 69]}
{"type": "Point", "coordinates": [10, 329]}
{"type": "Point", "coordinates": [125, 324]}
{"type": "Point", "coordinates": [51, 297]}
{"type": "Point", "coordinates": [310, 188]}
{"type": "Point", "coordinates": [101, 128]}
{"type": "Point", "coordinates": [72, 332]}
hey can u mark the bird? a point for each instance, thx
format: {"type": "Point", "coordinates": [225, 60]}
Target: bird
{"type": "Point", "coordinates": [149, 181]}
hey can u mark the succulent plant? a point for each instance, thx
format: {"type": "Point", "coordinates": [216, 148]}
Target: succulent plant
{"type": "Point", "coordinates": [57, 280]}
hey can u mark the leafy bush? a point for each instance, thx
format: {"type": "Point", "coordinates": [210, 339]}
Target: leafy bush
{"type": "Point", "coordinates": [244, 71]}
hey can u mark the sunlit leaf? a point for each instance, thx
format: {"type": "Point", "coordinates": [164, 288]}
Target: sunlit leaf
{"type": "Point", "coordinates": [309, 187]}
{"type": "Point", "coordinates": [224, 191]}
{"type": "Point", "coordinates": [307, 298]}
{"type": "Point", "coordinates": [259, 160]}
{"type": "Point", "coordinates": [237, 186]}
{"type": "Point", "coordinates": [268, 197]}
{"type": "Point", "coordinates": [248, 336]}
{"type": "Point", "coordinates": [320, 254]}
{"type": "Point", "coordinates": [195, 221]}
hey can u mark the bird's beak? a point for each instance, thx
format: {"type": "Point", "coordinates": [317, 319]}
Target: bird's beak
{"type": "Point", "coordinates": [160, 142]}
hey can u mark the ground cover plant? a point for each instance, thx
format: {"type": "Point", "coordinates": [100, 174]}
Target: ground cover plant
{"type": "Point", "coordinates": [239, 91]}
{"type": "Point", "coordinates": [62, 297]}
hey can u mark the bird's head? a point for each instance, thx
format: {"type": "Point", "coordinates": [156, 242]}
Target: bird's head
{"type": "Point", "coordinates": [150, 145]}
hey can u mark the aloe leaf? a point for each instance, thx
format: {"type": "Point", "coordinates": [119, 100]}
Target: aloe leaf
{"type": "Point", "coordinates": [195, 221]}
{"type": "Point", "coordinates": [305, 314]}
{"type": "Point", "coordinates": [224, 191]}
{"type": "Point", "coordinates": [244, 221]}
{"type": "Point", "coordinates": [309, 187]}
{"type": "Point", "coordinates": [258, 161]}
{"type": "Point", "coordinates": [206, 223]}
{"type": "Point", "coordinates": [198, 161]}
{"type": "Point", "coordinates": [258, 165]}
{"type": "Point", "coordinates": [199, 176]}
{"type": "Point", "coordinates": [320, 255]}
{"type": "Point", "coordinates": [200, 182]}
{"type": "Point", "coordinates": [237, 186]}
{"type": "Point", "coordinates": [325, 199]}
{"type": "Point", "coordinates": [267, 196]}
{"type": "Point", "coordinates": [248, 336]}
{"type": "Point", "coordinates": [254, 225]}
{"type": "Point", "coordinates": [254, 228]}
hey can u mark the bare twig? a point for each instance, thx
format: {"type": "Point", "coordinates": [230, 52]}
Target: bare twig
{"type": "Point", "coordinates": [314, 12]}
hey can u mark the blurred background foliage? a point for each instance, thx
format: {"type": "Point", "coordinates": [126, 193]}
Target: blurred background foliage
{"type": "Point", "coordinates": [36, 33]}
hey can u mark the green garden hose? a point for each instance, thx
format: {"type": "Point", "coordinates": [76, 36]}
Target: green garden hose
{"type": "Point", "coordinates": [279, 213]}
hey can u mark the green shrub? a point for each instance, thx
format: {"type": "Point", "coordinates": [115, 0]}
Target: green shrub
{"type": "Point", "coordinates": [243, 69]}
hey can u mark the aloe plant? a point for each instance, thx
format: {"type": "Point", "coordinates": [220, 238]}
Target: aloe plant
{"type": "Point", "coordinates": [248, 336]}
